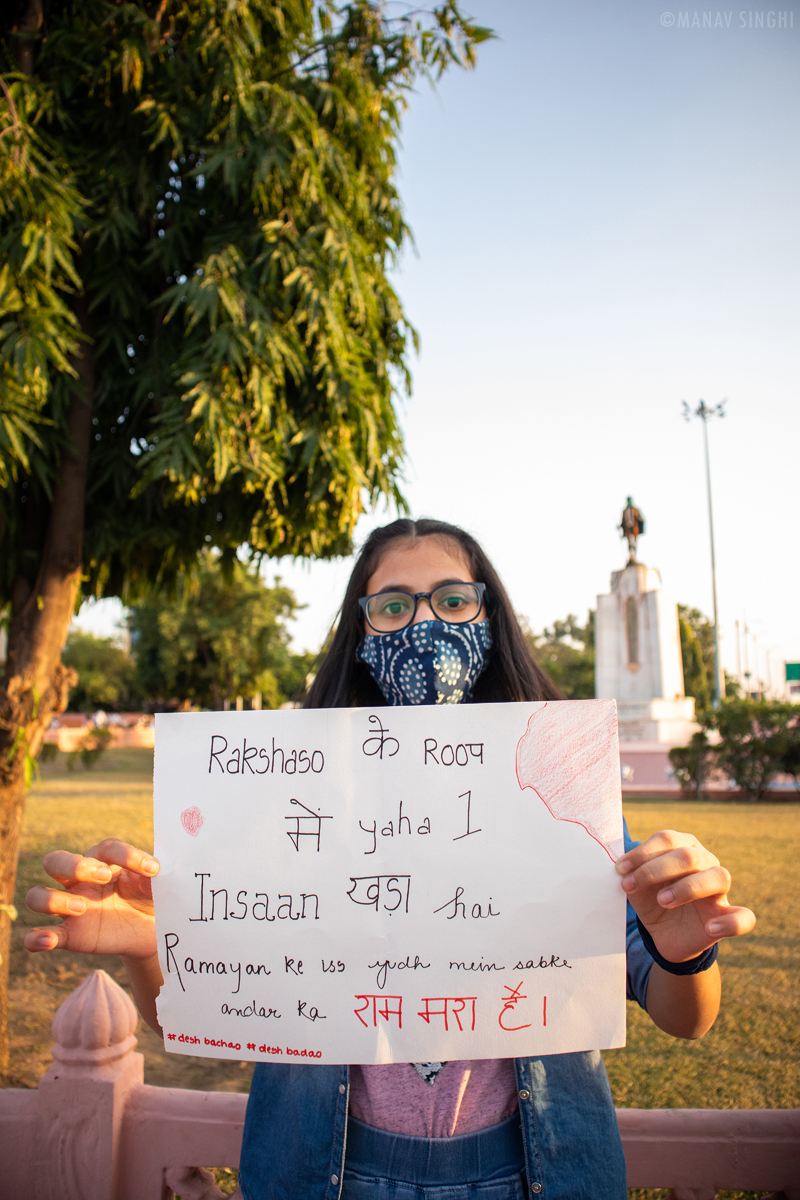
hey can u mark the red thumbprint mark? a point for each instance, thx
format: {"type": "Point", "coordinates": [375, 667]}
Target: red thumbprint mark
{"type": "Point", "coordinates": [192, 821]}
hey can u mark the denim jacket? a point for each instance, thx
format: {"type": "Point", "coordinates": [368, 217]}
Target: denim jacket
{"type": "Point", "coordinates": [296, 1124]}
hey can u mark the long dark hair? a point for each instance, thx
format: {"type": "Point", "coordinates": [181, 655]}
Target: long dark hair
{"type": "Point", "coordinates": [512, 672]}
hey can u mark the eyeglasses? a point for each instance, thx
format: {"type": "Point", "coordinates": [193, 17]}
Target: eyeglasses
{"type": "Point", "coordinates": [458, 603]}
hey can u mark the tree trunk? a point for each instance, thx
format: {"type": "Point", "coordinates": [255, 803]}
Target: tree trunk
{"type": "Point", "coordinates": [702, 773]}
{"type": "Point", "coordinates": [36, 685]}
{"type": "Point", "coordinates": [29, 30]}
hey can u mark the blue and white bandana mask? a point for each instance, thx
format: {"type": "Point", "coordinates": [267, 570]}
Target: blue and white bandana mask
{"type": "Point", "coordinates": [432, 662]}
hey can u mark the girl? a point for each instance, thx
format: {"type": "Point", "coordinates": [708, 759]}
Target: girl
{"type": "Point", "coordinates": [426, 620]}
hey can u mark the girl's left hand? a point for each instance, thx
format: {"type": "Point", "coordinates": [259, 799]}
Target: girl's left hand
{"type": "Point", "coordinates": [679, 892]}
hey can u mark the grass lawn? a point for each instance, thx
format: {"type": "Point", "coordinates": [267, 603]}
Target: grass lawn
{"type": "Point", "coordinates": [748, 1060]}
{"type": "Point", "coordinates": [75, 810]}
{"type": "Point", "coordinates": [750, 1057]}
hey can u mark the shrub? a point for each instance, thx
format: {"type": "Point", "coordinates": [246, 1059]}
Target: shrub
{"type": "Point", "coordinates": [693, 764]}
{"type": "Point", "coordinates": [90, 749]}
{"type": "Point", "coordinates": [758, 740]}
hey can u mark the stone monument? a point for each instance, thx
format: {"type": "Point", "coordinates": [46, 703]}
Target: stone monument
{"type": "Point", "coordinates": [638, 651]}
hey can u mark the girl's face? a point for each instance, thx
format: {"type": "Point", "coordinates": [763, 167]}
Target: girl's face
{"type": "Point", "coordinates": [421, 566]}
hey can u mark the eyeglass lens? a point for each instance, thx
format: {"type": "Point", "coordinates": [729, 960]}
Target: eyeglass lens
{"type": "Point", "coordinates": [454, 602]}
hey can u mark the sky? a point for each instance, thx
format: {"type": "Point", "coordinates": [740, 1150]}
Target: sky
{"type": "Point", "coordinates": [605, 224]}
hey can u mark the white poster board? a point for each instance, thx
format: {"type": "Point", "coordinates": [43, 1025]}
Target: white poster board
{"type": "Point", "coordinates": [390, 885]}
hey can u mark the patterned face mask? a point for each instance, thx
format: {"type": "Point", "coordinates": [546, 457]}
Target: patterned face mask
{"type": "Point", "coordinates": [432, 662]}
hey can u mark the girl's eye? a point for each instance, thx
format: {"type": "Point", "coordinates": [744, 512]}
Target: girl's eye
{"type": "Point", "coordinates": [394, 606]}
{"type": "Point", "coordinates": [389, 611]}
{"type": "Point", "coordinates": [457, 601]}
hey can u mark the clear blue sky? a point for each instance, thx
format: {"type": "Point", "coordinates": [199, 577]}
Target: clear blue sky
{"type": "Point", "coordinates": [606, 222]}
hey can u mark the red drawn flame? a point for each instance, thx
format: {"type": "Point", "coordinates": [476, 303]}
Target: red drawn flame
{"type": "Point", "coordinates": [192, 821]}
{"type": "Point", "coordinates": [568, 755]}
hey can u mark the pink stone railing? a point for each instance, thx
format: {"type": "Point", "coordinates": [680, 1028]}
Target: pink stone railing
{"type": "Point", "coordinates": [94, 1131]}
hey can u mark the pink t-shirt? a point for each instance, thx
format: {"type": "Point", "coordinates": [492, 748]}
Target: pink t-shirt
{"type": "Point", "coordinates": [467, 1096]}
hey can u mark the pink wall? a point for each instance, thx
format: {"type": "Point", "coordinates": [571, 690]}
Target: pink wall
{"type": "Point", "coordinates": [646, 770]}
{"type": "Point", "coordinates": [94, 1131]}
{"type": "Point", "coordinates": [136, 729]}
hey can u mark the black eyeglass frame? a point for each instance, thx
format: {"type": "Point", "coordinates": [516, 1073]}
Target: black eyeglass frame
{"type": "Point", "coordinates": [417, 596]}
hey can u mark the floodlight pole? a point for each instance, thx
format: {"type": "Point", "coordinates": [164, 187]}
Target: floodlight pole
{"type": "Point", "coordinates": [706, 412]}
{"type": "Point", "coordinates": [747, 657]}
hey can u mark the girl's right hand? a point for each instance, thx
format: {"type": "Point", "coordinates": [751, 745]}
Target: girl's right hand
{"type": "Point", "coordinates": [107, 904]}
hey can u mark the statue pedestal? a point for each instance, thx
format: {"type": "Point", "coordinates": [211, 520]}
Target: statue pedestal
{"type": "Point", "coordinates": [638, 659]}
{"type": "Point", "coordinates": [658, 720]}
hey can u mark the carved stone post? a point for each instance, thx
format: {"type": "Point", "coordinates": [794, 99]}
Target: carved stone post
{"type": "Point", "coordinates": [82, 1097]}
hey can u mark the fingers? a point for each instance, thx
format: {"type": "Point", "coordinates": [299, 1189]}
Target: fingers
{"type": "Point", "coordinates": [731, 922]}
{"type": "Point", "coordinates": [100, 865]}
{"type": "Point", "coordinates": [673, 871]}
{"type": "Point", "coordinates": [715, 881]}
{"type": "Point", "coordinates": [664, 871]}
{"type": "Point", "coordinates": [59, 904]}
{"type": "Point", "coordinates": [69, 868]}
{"type": "Point", "coordinates": [665, 842]}
{"type": "Point", "coordinates": [120, 854]}
{"type": "Point", "coordinates": [48, 937]}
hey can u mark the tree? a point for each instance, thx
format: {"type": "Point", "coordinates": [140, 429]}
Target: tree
{"type": "Point", "coordinates": [217, 639]}
{"type": "Point", "coordinates": [105, 673]}
{"type": "Point", "coordinates": [566, 651]}
{"type": "Point", "coordinates": [697, 652]}
{"type": "Point", "coordinates": [199, 344]}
